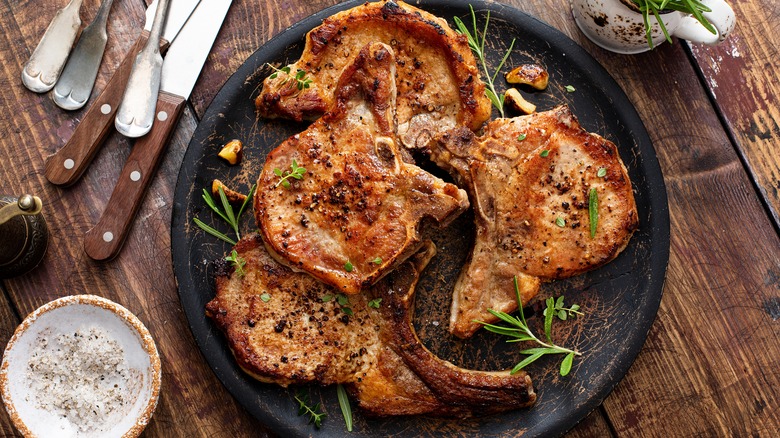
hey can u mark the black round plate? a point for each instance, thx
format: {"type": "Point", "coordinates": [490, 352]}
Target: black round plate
{"type": "Point", "coordinates": [620, 300]}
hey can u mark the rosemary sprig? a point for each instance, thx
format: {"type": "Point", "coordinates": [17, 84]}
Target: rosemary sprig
{"type": "Point", "coordinates": [315, 416]}
{"type": "Point", "coordinates": [297, 172]}
{"type": "Point", "coordinates": [654, 7]}
{"type": "Point", "coordinates": [238, 263]}
{"type": "Point", "coordinates": [346, 408]}
{"type": "Point", "coordinates": [226, 213]}
{"type": "Point", "coordinates": [301, 80]}
{"type": "Point", "coordinates": [520, 332]}
{"type": "Point", "coordinates": [477, 46]}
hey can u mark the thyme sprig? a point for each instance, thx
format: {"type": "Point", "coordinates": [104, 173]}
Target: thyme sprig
{"type": "Point", "coordinates": [296, 172]}
{"type": "Point", "coordinates": [226, 213]}
{"type": "Point", "coordinates": [519, 331]}
{"type": "Point", "coordinates": [654, 7]}
{"type": "Point", "coordinates": [301, 80]}
{"type": "Point", "coordinates": [558, 309]}
{"type": "Point", "coordinates": [477, 46]}
{"type": "Point", "coordinates": [238, 263]}
{"type": "Point", "coordinates": [315, 416]}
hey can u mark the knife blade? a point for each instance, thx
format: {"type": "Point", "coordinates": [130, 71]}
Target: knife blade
{"type": "Point", "coordinates": [67, 165]}
{"type": "Point", "coordinates": [180, 72]}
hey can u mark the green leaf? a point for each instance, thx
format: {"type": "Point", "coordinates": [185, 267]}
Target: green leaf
{"type": "Point", "coordinates": [521, 137]}
{"type": "Point", "coordinates": [561, 222]}
{"type": "Point", "coordinates": [548, 317]}
{"type": "Point", "coordinates": [347, 311]}
{"type": "Point", "coordinates": [593, 211]}
{"type": "Point", "coordinates": [348, 266]}
{"type": "Point", "coordinates": [566, 364]}
{"type": "Point", "coordinates": [266, 297]}
{"type": "Point", "coordinates": [346, 409]}
{"type": "Point", "coordinates": [247, 200]}
{"type": "Point", "coordinates": [559, 302]}
{"type": "Point", "coordinates": [570, 89]}
{"type": "Point", "coordinates": [212, 231]}
{"type": "Point", "coordinates": [562, 315]}
{"type": "Point", "coordinates": [342, 299]}
{"type": "Point", "coordinates": [375, 303]}
{"type": "Point", "coordinates": [377, 261]}
{"type": "Point", "coordinates": [285, 184]}
{"type": "Point", "coordinates": [575, 307]}
{"type": "Point", "coordinates": [326, 298]}
{"type": "Point", "coordinates": [542, 350]}
{"type": "Point", "coordinates": [544, 153]}
{"type": "Point", "coordinates": [277, 171]}
{"type": "Point", "coordinates": [525, 362]}
{"type": "Point", "coordinates": [602, 172]}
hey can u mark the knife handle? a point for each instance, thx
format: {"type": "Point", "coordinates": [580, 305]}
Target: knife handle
{"type": "Point", "coordinates": [105, 240]}
{"type": "Point", "coordinates": [67, 165]}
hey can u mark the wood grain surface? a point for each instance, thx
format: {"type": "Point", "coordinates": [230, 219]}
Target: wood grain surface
{"type": "Point", "coordinates": [709, 366]}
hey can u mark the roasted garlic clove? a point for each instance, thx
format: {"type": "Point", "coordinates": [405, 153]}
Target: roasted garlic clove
{"type": "Point", "coordinates": [232, 152]}
{"type": "Point", "coordinates": [232, 195]}
{"type": "Point", "coordinates": [530, 74]}
{"type": "Point", "coordinates": [519, 103]}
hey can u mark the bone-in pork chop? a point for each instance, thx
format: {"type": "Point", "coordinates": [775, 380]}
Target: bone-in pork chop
{"type": "Point", "coordinates": [356, 212]}
{"type": "Point", "coordinates": [529, 180]}
{"type": "Point", "coordinates": [285, 327]}
{"type": "Point", "coordinates": [438, 78]}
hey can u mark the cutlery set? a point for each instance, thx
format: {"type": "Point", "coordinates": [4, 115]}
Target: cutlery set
{"type": "Point", "coordinates": [143, 99]}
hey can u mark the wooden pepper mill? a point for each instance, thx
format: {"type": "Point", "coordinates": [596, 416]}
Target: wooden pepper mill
{"type": "Point", "coordinates": [24, 236]}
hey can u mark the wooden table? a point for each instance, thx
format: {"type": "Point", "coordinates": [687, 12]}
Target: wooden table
{"type": "Point", "coordinates": [710, 364]}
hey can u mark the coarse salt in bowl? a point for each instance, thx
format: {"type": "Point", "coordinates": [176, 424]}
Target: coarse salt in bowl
{"type": "Point", "coordinates": [80, 366]}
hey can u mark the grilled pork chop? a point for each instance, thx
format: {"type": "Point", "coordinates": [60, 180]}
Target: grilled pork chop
{"type": "Point", "coordinates": [437, 76]}
{"type": "Point", "coordinates": [287, 328]}
{"type": "Point", "coordinates": [355, 213]}
{"type": "Point", "coordinates": [529, 180]}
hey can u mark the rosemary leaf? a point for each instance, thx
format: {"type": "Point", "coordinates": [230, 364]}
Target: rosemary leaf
{"type": "Point", "coordinates": [346, 409]}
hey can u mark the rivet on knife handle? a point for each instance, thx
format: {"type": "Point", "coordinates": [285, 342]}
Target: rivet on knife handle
{"type": "Point", "coordinates": [44, 67]}
{"type": "Point", "coordinates": [77, 79]}
{"type": "Point", "coordinates": [67, 165]}
{"type": "Point", "coordinates": [105, 240]}
{"type": "Point", "coordinates": [136, 112]}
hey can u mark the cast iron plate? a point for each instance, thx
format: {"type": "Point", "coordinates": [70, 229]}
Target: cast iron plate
{"type": "Point", "coordinates": [620, 299]}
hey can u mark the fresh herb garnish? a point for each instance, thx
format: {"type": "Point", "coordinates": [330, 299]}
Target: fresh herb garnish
{"type": "Point", "coordinates": [315, 416]}
{"type": "Point", "coordinates": [266, 297]}
{"type": "Point", "coordinates": [544, 153]}
{"type": "Point", "coordinates": [654, 7]}
{"type": "Point", "coordinates": [562, 312]}
{"type": "Point", "coordinates": [375, 303]}
{"type": "Point", "coordinates": [342, 299]}
{"type": "Point", "coordinates": [238, 263]}
{"type": "Point", "coordinates": [347, 311]}
{"type": "Point", "coordinates": [349, 267]}
{"type": "Point", "coordinates": [296, 172]}
{"type": "Point", "coordinates": [561, 222]}
{"type": "Point", "coordinates": [570, 89]}
{"type": "Point", "coordinates": [519, 330]}
{"type": "Point", "coordinates": [593, 211]}
{"type": "Point", "coordinates": [602, 172]}
{"type": "Point", "coordinates": [521, 137]}
{"type": "Point", "coordinates": [327, 297]}
{"type": "Point", "coordinates": [478, 47]}
{"type": "Point", "coordinates": [346, 408]}
{"type": "Point", "coordinates": [301, 80]}
{"type": "Point", "coordinates": [377, 261]}
{"type": "Point", "coordinates": [225, 213]}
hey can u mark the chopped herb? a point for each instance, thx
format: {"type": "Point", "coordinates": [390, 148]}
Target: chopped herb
{"type": "Point", "coordinates": [327, 297]}
{"type": "Point", "coordinates": [348, 266]}
{"type": "Point", "coordinates": [315, 416]}
{"type": "Point", "coordinates": [238, 263]}
{"type": "Point", "coordinates": [377, 261]}
{"type": "Point", "coordinates": [602, 172]}
{"type": "Point", "coordinates": [226, 213]}
{"type": "Point", "coordinates": [347, 311]}
{"type": "Point", "coordinates": [561, 222]}
{"type": "Point", "coordinates": [346, 409]}
{"type": "Point", "coordinates": [342, 299]}
{"type": "Point", "coordinates": [478, 47]}
{"type": "Point", "coordinates": [570, 89]}
{"type": "Point", "coordinates": [297, 173]}
{"type": "Point", "coordinates": [593, 211]}
{"type": "Point", "coordinates": [375, 303]}
{"type": "Point", "coordinates": [544, 153]}
{"type": "Point", "coordinates": [266, 297]}
{"type": "Point", "coordinates": [520, 332]}
{"type": "Point", "coordinates": [521, 137]}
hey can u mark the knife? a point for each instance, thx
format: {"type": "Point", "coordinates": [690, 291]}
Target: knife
{"type": "Point", "coordinates": [180, 72]}
{"type": "Point", "coordinates": [67, 165]}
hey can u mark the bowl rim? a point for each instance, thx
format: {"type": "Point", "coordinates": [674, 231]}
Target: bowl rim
{"type": "Point", "coordinates": [127, 316]}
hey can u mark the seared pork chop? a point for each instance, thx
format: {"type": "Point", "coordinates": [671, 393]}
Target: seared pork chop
{"type": "Point", "coordinates": [438, 80]}
{"type": "Point", "coordinates": [287, 328]}
{"type": "Point", "coordinates": [529, 180]}
{"type": "Point", "coordinates": [355, 213]}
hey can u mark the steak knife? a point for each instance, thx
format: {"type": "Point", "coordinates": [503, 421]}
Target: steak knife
{"type": "Point", "coordinates": [67, 165]}
{"type": "Point", "coordinates": [180, 71]}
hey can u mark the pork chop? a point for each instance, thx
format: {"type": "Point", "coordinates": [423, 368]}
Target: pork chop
{"type": "Point", "coordinates": [285, 327]}
{"type": "Point", "coordinates": [438, 79]}
{"type": "Point", "coordinates": [529, 180]}
{"type": "Point", "coordinates": [356, 211]}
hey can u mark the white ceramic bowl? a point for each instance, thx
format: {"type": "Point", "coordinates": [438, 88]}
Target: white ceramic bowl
{"type": "Point", "coordinates": [66, 316]}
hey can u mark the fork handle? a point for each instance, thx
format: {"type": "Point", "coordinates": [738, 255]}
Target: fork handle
{"type": "Point", "coordinates": [105, 239]}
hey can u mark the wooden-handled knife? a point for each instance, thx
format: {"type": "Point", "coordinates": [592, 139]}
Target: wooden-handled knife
{"type": "Point", "coordinates": [67, 165]}
{"type": "Point", "coordinates": [180, 71]}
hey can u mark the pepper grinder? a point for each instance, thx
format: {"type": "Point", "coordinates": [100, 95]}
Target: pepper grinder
{"type": "Point", "coordinates": [24, 236]}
